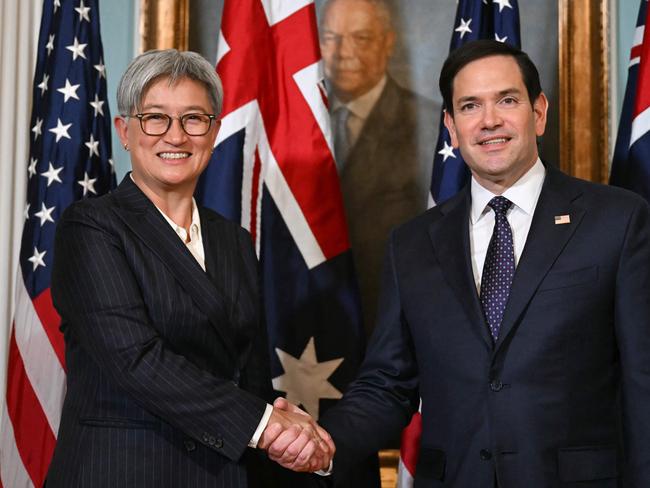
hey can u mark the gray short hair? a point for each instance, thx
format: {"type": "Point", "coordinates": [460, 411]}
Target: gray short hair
{"type": "Point", "coordinates": [148, 67]}
{"type": "Point", "coordinates": [383, 8]}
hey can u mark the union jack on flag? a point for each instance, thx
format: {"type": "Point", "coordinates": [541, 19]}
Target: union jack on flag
{"type": "Point", "coordinates": [631, 163]}
{"type": "Point", "coordinates": [475, 19]}
{"type": "Point", "coordinates": [273, 171]}
{"type": "Point", "coordinates": [70, 150]}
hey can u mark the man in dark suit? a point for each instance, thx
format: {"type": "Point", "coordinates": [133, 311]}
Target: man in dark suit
{"type": "Point", "coordinates": [383, 134]}
{"type": "Point", "coordinates": [519, 310]}
{"type": "Point", "coordinates": [166, 353]}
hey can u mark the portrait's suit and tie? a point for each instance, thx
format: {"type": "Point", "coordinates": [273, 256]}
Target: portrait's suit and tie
{"type": "Point", "coordinates": [167, 363]}
{"type": "Point", "coordinates": [551, 390]}
{"type": "Point", "coordinates": [384, 180]}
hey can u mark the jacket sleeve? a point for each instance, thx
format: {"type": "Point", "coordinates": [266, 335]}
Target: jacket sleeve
{"type": "Point", "coordinates": [96, 293]}
{"type": "Point", "coordinates": [381, 401]}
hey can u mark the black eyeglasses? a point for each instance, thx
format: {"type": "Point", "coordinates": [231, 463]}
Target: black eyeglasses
{"type": "Point", "coordinates": [157, 124]}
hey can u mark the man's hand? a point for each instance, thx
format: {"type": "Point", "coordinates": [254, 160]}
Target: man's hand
{"type": "Point", "coordinates": [294, 440]}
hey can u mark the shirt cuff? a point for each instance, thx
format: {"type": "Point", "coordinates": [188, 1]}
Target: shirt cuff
{"type": "Point", "coordinates": [322, 472]}
{"type": "Point", "coordinates": [261, 426]}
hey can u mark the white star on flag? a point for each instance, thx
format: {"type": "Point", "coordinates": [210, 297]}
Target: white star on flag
{"type": "Point", "coordinates": [45, 214]}
{"type": "Point", "coordinates": [500, 39]}
{"type": "Point", "coordinates": [50, 44]}
{"type": "Point", "coordinates": [97, 105]}
{"type": "Point", "coordinates": [26, 211]}
{"type": "Point", "coordinates": [31, 169]}
{"type": "Point", "coordinates": [447, 152]}
{"type": "Point", "coordinates": [463, 28]}
{"type": "Point", "coordinates": [69, 91]}
{"type": "Point", "coordinates": [88, 184]}
{"type": "Point", "coordinates": [37, 259]}
{"type": "Point", "coordinates": [83, 11]}
{"type": "Point", "coordinates": [305, 379]}
{"type": "Point", "coordinates": [110, 161]}
{"type": "Point", "coordinates": [101, 68]}
{"type": "Point", "coordinates": [502, 4]}
{"type": "Point", "coordinates": [57, 4]}
{"type": "Point", "coordinates": [61, 130]}
{"type": "Point", "coordinates": [43, 84]}
{"type": "Point", "coordinates": [52, 174]}
{"type": "Point", "coordinates": [37, 129]}
{"type": "Point", "coordinates": [93, 145]}
{"type": "Point", "coordinates": [77, 49]}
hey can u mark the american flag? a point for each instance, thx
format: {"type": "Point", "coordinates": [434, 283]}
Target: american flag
{"type": "Point", "coordinates": [631, 163]}
{"type": "Point", "coordinates": [273, 172]}
{"type": "Point", "coordinates": [475, 19]}
{"type": "Point", "coordinates": [70, 149]}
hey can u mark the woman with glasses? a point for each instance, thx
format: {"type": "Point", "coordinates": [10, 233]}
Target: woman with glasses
{"type": "Point", "coordinates": [167, 363]}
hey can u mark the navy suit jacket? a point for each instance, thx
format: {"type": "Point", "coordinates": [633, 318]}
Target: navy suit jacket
{"type": "Point", "coordinates": [563, 397]}
{"type": "Point", "coordinates": [167, 365]}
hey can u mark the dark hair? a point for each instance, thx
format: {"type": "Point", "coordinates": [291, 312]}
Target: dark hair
{"type": "Point", "coordinates": [483, 48]}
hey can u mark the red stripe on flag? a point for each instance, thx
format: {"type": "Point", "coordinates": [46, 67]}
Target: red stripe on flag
{"type": "Point", "coordinates": [51, 320]}
{"type": "Point", "coordinates": [255, 193]}
{"type": "Point", "coordinates": [635, 52]}
{"type": "Point", "coordinates": [642, 101]}
{"type": "Point", "coordinates": [34, 438]}
{"type": "Point", "coordinates": [410, 445]}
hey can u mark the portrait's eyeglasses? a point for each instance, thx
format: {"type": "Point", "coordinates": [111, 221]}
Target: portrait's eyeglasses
{"type": "Point", "coordinates": [157, 124]}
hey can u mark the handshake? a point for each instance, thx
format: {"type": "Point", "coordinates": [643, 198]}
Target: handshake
{"type": "Point", "coordinates": [293, 439]}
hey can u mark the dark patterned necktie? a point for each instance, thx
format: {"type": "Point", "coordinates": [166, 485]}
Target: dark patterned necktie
{"type": "Point", "coordinates": [499, 267]}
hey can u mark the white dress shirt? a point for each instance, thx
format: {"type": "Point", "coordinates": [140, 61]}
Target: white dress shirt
{"type": "Point", "coordinates": [195, 246]}
{"type": "Point", "coordinates": [524, 195]}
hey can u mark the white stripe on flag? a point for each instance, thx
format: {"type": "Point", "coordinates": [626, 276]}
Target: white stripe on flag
{"type": "Point", "coordinates": [13, 473]}
{"type": "Point", "coordinates": [634, 61]}
{"type": "Point", "coordinates": [222, 47]}
{"type": "Point", "coordinates": [42, 366]}
{"type": "Point", "coordinates": [288, 206]}
{"type": "Point", "coordinates": [278, 10]}
{"type": "Point", "coordinates": [404, 476]}
{"type": "Point", "coordinates": [638, 36]}
{"type": "Point", "coordinates": [640, 126]}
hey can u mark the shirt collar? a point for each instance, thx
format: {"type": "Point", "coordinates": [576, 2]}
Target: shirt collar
{"type": "Point", "coordinates": [195, 225]}
{"type": "Point", "coordinates": [363, 105]}
{"type": "Point", "coordinates": [523, 194]}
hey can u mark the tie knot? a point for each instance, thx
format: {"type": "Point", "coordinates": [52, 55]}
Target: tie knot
{"type": "Point", "coordinates": [500, 205]}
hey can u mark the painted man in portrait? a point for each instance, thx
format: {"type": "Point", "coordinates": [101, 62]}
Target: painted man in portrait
{"type": "Point", "coordinates": [383, 133]}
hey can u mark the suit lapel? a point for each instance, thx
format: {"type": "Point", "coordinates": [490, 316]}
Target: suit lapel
{"type": "Point", "coordinates": [146, 222]}
{"type": "Point", "coordinates": [544, 243]}
{"type": "Point", "coordinates": [447, 233]}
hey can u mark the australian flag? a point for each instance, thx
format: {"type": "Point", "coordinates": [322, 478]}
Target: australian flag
{"type": "Point", "coordinates": [631, 163]}
{"type": "Point", "coordinates": [273, 171]}
{"type": "Point", "coordinates": [475, 19]}
{"type": "Point", "coordinates": [70, 150]}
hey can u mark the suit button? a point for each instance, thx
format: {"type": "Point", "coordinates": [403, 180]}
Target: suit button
{"type": "Point", "coordinates": [190, 445]}
{"type": "Point", "coordinates": [496, 385]}
{"type": "Point", "coordinates": [485, 455]}
{"type": "Point", "coordinates": [219, 443]}
{"type": "Point", "coordinates": [205, 438]}
{"type": "Point", "coordinates": [212, 440]}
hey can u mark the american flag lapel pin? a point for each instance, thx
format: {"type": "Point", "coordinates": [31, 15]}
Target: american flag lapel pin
{"type": "Point", "coordinates": [562, 219]}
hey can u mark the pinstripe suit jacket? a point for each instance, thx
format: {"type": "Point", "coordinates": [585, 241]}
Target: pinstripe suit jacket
{"type": "Point", "coordinates": [167, 364]}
